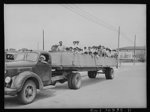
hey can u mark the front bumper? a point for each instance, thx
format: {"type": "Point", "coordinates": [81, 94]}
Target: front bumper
{"type": "Point", "coordinates": [10, 91]}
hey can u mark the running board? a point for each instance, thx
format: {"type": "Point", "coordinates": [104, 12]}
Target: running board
{"type": "Point", "coordinates": [56, 78]}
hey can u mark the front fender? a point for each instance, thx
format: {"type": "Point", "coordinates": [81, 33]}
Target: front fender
{"type": "Point", "coordinates": [22, 77]}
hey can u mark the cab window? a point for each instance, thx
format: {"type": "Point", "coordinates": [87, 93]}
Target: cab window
{"type": "Point", "coordinates": [46, 57]}
{"type": "Point", "coordinates": [10, 56]}
{"type": "Point", "coordinates": [20, 57]}
{"type": "Point", "coordinates": [31, 56]}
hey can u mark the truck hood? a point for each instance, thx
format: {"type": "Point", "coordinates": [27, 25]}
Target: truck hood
{"type": "Point", "coordinates": [18, 64]}
{"type": "Point", "coordinates": [16, 67]}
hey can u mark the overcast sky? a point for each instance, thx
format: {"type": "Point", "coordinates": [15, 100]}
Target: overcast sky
{"type": "Point", "coordinates": [91, 24]}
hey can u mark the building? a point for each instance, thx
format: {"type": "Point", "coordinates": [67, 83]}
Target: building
{"type": "Point", "coordinates": [127, 53]}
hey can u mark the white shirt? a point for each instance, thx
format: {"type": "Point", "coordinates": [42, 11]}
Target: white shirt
{"type": "Point", "coordinates": [108, 53]}
{"type": "Point", "coordinates": [61, 48]}
{"type": "Point", "coordinates": [92, 50]}
{"type": "Point", "coordinates": [112, 53]}
{"type": "Point", "coordinates": [103, 50]}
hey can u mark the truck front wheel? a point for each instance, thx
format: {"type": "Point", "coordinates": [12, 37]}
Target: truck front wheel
{"type": "Point", "coordinates": [109, 73]}
{"type": "Point", "coordinates": [28, 92]}
{"type": "Point", "coordinates": [74, 81]}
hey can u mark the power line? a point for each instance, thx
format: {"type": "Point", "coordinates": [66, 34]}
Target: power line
{"type": "Point", "coordinates": [125, 36]}
{"type": "Point", "coordinates": [94, 19]}
{"type": "Point", "coordinates": [86, 17]}
{"type": "Point", "coordinates": [108, 24]}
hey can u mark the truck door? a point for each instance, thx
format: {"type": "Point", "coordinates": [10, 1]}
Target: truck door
{"type": "Point", "coordinates": [43, 69]}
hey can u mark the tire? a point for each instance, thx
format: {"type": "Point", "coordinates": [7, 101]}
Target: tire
{"type": "Point", "coordinates": [109, 73]}
{"type": "Point", "coordinates": [28, 92]}
{"type": "Point", "coordinates": [103, 70]}
{"type": "Point", "coordinates": [74, 81]}
{"type": "Point", "coordinates": [92, 74]}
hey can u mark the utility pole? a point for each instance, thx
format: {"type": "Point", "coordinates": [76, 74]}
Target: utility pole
{"type": "Point", "coordinates": [134, 47]}
{"type": "Point", "coordinates": [38, 46]}
{"type": "Point", "coordinates": [118, 46]}
{"type": "Point", "coordinates": [43, 39]}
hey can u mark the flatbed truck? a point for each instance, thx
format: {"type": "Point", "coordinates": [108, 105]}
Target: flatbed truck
{"type": "Point", "coordinates": [28, 72]}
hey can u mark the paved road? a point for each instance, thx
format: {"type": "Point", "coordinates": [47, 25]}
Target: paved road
{"type": "Point", "coordinates": [126, 90]}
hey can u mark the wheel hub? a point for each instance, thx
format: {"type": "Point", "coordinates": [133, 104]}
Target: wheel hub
{"type": "Point", "coordinates": [78, 81]}
{"type": "Point", "coordinates": [29, 91]}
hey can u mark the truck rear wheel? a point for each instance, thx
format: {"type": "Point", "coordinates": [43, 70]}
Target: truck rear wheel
{"type": "Point", "coordinates": [92, 74]}
{"type": "Point", "coordinates": [74, 81]}
{"type": "Point", "coordinates": [109, 73]}
{"type": "Point", "coordinates": [28, 92]}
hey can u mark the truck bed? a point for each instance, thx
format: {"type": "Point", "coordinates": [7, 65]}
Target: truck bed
{"type": "Point", "coordinates": [70, 60]}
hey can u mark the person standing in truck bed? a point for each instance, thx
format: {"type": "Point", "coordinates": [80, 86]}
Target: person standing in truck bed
{"type": "Point", "coordinates": [99, 51]}
{"type": "Point", "coordinates": [85, 50]}
{"type": "Point", "coordinates": [61, 47]}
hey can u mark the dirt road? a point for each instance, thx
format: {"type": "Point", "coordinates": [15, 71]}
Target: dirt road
{"type": "Point", "coordinates": [126, 90]}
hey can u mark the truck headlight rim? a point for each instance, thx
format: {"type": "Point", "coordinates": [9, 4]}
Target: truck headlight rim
{"type": "Point", "coordinates": [7, 79]}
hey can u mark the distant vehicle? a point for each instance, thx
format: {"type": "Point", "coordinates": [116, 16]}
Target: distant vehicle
{"type": "Point", "coordinates": [28, 72]}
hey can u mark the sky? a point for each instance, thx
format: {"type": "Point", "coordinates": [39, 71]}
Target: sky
{"type": "Point", "coordinates": [91, 24]}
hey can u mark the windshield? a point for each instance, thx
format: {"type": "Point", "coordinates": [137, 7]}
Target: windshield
{"type": "Point", "coordinates": [20, 57]}
{"type": "Point", "coordinates": [26, 57]}
{"type": "Point", "coordinates": [32, 56]}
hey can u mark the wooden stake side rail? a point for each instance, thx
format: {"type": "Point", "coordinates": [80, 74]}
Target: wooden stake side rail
{"type": "Point", "coordinates": [69, 60]}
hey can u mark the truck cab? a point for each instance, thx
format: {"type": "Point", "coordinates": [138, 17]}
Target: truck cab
{"type": "Point", "coordinates": [26, 73]}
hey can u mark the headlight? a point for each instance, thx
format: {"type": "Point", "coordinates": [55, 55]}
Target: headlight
{"type": "Point", "coordinates": [5, 71]}
{"type": "Point", "coordinates": [7, 79]}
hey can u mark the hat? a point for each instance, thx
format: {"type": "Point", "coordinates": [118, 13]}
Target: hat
{"type": "Point", "coordinates": [42, 57]}
{"type": "Point", "coordinates": [60, 41]}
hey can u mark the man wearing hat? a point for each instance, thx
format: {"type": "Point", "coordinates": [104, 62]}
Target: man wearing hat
{"type": "Point", "coordinates": [43, 59]}
{"type": "Point", "coordinates": [61, 47]}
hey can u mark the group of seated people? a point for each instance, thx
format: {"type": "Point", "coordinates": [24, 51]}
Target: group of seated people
{"type": "Point", "coordinates": [100, 51]}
